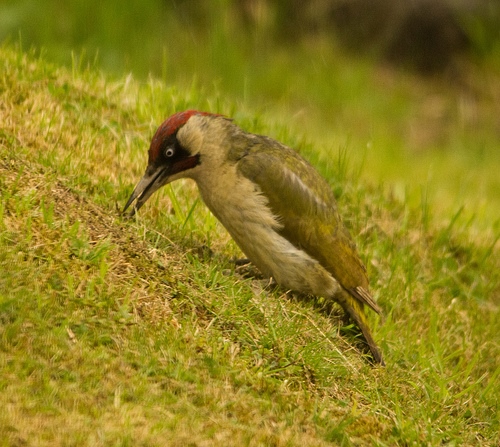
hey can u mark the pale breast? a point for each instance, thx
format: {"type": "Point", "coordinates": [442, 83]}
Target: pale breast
{"type": "Point", "coordinates": [240, 206]}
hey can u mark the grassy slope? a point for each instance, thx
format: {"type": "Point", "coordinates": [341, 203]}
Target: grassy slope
{"type": "Point", "coordinates": [141, 333]}
{"type": "Point", "coordinates": [433, 137]}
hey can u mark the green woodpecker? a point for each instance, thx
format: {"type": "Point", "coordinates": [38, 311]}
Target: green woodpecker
{"type": "Point", "coordinates": [275, 205]}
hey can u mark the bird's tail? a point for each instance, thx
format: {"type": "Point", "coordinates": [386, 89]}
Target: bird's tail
{"type": "Point", "coordinates": [355, 310]}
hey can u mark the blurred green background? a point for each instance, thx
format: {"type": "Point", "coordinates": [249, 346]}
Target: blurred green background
{"type": "Point", "coordinates": [409, 92]}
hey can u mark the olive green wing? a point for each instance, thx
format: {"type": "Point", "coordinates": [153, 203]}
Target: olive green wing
{"type": "Point", "coordinates": [306, 207]}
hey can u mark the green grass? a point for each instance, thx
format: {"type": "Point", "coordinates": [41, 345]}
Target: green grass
{"type": "Point", "coordinates": [119, 332]}
{"type": "Point", "coordinates": [436, 138]}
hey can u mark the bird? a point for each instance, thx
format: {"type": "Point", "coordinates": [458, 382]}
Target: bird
{"type": "Point", "coordinates": [275, 205]}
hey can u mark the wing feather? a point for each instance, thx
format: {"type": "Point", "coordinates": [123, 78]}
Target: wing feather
{"type": "Point", "coordinates": [305, 206]}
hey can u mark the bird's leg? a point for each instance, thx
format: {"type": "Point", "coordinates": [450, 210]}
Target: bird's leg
{"type": "Point", "coordinates": [241, 261]}
{"type": "Point", "coordinates": [246, 269]}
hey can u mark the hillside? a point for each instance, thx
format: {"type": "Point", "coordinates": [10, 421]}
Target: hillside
{"type": "Point", "coordinates": [142, 332]}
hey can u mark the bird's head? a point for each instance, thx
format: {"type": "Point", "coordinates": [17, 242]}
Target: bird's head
{"type": "Point", "coordinates": [175, 152]}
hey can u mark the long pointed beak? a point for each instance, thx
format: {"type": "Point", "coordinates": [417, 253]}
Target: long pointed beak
{"type": "Point", "coordinates": [148, 184]}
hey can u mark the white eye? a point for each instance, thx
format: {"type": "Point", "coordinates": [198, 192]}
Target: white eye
{"type": "Point", "coordinates": [169, 152]}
